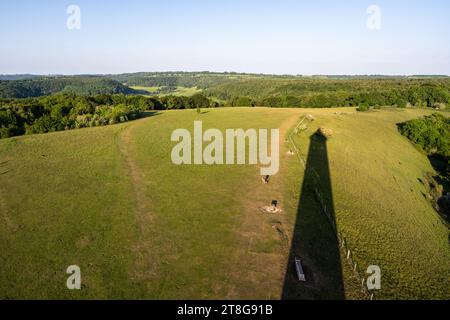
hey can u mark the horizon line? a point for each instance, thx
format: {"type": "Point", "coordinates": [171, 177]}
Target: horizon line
{"type": "Point", "coordinates": [230, 72]}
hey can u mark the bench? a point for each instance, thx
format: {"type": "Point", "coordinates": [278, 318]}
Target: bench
{"type": "Point", "coordinates": [299, 268]}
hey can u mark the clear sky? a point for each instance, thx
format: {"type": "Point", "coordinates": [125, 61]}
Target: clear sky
{"type": "Point", "coordinates": [277, 36]}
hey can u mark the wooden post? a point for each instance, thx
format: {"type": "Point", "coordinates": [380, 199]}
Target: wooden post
{"type": "Point", "coordinates": [348, 254]}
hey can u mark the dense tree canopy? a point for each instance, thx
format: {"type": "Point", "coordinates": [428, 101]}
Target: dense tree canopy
{"type": "Point", "coordinates": [323, 93]}
{"type": "Point", "coordinates": [431, 134]}
{"type": "Point", "coordinates": [234, 89]}
{"type": "Point", "coordinates": [69, 111]}
{"type": "Point", "coordinates": [85, 85]}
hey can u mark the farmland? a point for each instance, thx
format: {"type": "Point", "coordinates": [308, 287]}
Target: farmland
{"type": "Point", "coordinates": [164, 91]}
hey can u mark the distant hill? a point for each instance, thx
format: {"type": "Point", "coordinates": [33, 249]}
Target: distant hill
{"type": "Point", "coordinates": [11, 77]}
{"type": "Point", "coordinates": [180, 79]}
{"type": "Point", "coordinates": [82, 85]}
{"type": "Point", "coordinates": [247, 89]}
{"type": "Point", "coordinates": [332, 92]}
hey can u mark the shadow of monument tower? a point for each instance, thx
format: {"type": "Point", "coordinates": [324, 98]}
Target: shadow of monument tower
{"type": "Point", "coordinates": [314, 240]}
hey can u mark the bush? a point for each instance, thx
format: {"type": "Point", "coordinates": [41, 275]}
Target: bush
{"type": "Point", "coordinates": [242, 102]}
{"type": "Point", "coordinates": [431, 134]}
{"type": "Point", "coordinates": [363, 107]}
{"type": "Point", "coordinates": [67, 111]}
{"type": "Point", "coordinates": [401, 103]}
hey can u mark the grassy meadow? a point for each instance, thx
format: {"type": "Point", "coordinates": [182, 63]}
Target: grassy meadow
{"type": "Point", "coordinates": [110, 200]}
{"type": "Point", "coordinates": [180, 91]}
{"type": "Point", "coordinates": [379, 201]}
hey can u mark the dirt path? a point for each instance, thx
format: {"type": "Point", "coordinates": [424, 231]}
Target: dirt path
{"type": "Point", "coordinates": [260, 263]}
{"type": "Point", "coordinates": [4, 210]}
{"type": "Point", "coordinates": [143, 268]}
{"type": "Point", "coordinates": [254, 271]}
{"type": "Point", "coordinates": [139, 186]}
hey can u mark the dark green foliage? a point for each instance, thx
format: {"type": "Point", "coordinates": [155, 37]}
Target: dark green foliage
{"type": "Point", "coordinates": [431, 134]}
{"type": "Point", "coordinates": [363, 107]}
{"type": "Point", "coordinates": [82, 85]}
{"type": "Point", "coordinates": [170, 80]}
{"type": "Point", "coordinates": [234, 89]}
{"type": "Point", "coordinates": [181, 102]}
{"type": "Point", "coordinates": [198, 101]}
{"type": "Point", "coordinates": [323, 93]}
{"type": "Point", "coordinates": [401, 103]}
{"type": "Point", "coordinates": [242, 102]}
{"type": "Point", "coordinates": [69, 111]}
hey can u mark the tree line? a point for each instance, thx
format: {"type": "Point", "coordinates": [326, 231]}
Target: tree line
{"type": "Point", "coordinates": [251, 89]}
{"type": "Point", "coordinates": [82, 85]}
{"type": "Point", "coordinates": [431, 134]}
{"type": "Point", "coordinates": [69, 111]}
{"type": "Point", "coordinates": [324, 93]}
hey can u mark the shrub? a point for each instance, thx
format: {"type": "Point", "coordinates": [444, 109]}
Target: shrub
{"type": "Point", "coordinates": [431, 134]}
{"type": "Point", "coordinates": [363, 107]}
{"type": "Point", "coordinates": [401, 103]}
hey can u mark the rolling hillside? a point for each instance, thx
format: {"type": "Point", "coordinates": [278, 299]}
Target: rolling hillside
{"type": "Point", "coordinates": [83, 85]}
{"type": "Point", "coordinates": [110, 200]}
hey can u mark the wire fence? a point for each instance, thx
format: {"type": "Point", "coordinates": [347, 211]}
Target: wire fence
{"type": "Point", "coordinates": [344, 246]}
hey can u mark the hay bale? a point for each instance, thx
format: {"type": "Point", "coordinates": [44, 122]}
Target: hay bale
{"type": "Point", "coordinates": [325, 132]}
{"type": "Point", "coordinates": [310, 117]}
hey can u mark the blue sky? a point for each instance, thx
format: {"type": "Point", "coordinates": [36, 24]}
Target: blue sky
{"type": "Point", "coordinates": [279, 36]}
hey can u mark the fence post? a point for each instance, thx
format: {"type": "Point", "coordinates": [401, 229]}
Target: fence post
{"type": "Point", "coordinates": [340, 237]}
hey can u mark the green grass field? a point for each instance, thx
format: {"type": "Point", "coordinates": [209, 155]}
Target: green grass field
{"type": "Point", "coordinates": [110, 200]}
{"type": "Point", "coordinates": [379, 203]}
{"type": "Point", "coordinates": [146, 89]}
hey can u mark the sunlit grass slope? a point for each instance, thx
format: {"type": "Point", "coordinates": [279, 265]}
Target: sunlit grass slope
{"type": "Point", "coordinates": [110, 200]}
{"type": "Point", "coordinates": [65, 200]}
{"type": "Point", "coordinates": [380, 204]}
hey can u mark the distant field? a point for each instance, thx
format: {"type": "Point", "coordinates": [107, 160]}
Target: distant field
{"type": "Point", "coordinates": [109, 200]}
{"type": "Point", "coordinates": [146, 89]}
{"type": "Point", "coordinates": [180, 91]}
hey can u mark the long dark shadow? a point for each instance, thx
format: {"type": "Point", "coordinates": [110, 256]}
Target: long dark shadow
{"type": "Point", "coordinates": [147, 114]}
{"type": "Point", "coordinates": [314, 239]}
